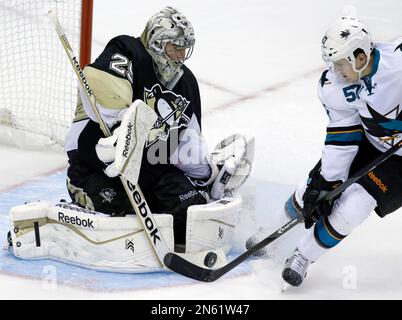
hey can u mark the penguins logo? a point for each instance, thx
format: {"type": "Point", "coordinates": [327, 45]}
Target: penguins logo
{"type": "Point", "coordinates": [170, 110]}
{"type": "Point", "coordinates": [107, 194]}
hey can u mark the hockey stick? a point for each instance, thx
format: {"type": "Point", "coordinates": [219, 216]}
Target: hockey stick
{"type": "Point", "coordinates": [133, 191]}
{"type": "Point", "coordinates": [365, 170]}
{"type": "Point", "coordinates": [179, 265]}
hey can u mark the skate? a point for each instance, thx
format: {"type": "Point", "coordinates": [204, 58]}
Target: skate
{"type": "Point", "coordinates": [292, 210]}
{"type": "Point", "coordinates": [295, 269]}
{"type": "Point", "coordinates": [253, 240]}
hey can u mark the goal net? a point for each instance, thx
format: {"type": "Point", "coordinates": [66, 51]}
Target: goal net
{"type": "Point", "coordinates": [38, 88]}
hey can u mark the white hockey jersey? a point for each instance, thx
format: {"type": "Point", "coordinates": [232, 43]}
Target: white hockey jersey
{"type": "Point", "coordinates": [370, 106]}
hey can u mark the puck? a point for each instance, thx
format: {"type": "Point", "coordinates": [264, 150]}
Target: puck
{"type": "Point", "coordinates": [210, 259]}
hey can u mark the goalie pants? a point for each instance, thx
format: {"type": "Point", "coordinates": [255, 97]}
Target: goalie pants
{"type": "Point", "coordinates": [166, 189]}
{"type": "Point", "coordinates": [378, 190]}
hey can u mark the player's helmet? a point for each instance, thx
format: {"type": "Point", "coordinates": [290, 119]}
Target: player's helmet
{"type": "Point", "coordinates": [168, 25]}
{"type": "Point", "coordinates": [342, 39]}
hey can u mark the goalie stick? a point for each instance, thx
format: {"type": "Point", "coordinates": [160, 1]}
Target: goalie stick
{"type": "Point", "coordinates": [179, 265]}
{"type": "Point", "coordinates": [132, 189]}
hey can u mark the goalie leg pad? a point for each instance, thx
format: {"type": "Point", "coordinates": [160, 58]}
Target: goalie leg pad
{"type": "Point", "coordinates": [86, 238]}
{"type": "Point", "coordinates": [212, 226]}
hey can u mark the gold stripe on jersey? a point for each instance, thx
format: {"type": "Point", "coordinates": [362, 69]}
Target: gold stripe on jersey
{"type": "Point", "coordinates": [79, 113]}
{"type": "Point", "coordinates": [111, 92]}
{"type": "Point", "coordinates": [345, 131]}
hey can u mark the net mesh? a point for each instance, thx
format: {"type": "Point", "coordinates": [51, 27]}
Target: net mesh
{"type": "Point", "coordinates": [38, 88]}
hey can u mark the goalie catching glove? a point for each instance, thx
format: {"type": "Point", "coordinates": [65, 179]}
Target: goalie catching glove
{"type": "Point", "coordinates": [231, 164]}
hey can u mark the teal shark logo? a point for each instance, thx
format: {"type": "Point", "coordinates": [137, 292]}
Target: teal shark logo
{"type": "Point", "coordinates": [381, 126]}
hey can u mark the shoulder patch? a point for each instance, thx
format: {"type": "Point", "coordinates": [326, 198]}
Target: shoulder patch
{"type": "Point", "coordinates": [324, 79]}
{"type": "Point", "coordinates": [398, 47]}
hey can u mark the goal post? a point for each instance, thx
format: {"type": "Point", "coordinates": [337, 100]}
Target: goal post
{"type": "Point", "coordinates": [86, 32]}
{"type": "Point", "coordinates": [38, 89]}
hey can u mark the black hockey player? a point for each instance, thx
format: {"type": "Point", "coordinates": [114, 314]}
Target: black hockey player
{"type": "Point", "coordinates": [176, 165]}
{"type": "Point", "coordinates": [360, 93]}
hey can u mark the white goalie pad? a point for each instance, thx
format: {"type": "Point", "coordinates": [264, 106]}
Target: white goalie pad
{"type": "Point", "coordinates": [138, 119]}
{"type": "Point", "coordinates": [71, 234]}
{"type": "Point", "coordinates": [211, 226]}
{"type": "Point", "coordinates": [135, 126]}
{"type": "Point", "coordinates": [82, 237]}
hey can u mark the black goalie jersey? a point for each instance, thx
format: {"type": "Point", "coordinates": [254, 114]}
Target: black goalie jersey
{"type": "Point", "coordinates": [123, 73]}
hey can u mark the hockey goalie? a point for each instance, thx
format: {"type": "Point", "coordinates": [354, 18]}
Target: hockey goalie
{"type": "Point", "coordinates": [150, 103]}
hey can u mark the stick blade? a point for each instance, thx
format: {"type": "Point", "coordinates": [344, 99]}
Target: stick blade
{"type": "Point", "coordinates": [181, 266]}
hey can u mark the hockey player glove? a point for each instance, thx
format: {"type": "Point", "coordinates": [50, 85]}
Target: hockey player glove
{"type": "Point", "coordinates": [313, 207]}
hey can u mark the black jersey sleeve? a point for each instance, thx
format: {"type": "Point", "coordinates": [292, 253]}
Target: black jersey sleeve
{"type": "Point", "coordinates": [111, 78]}
{"type": "Point", "coordinates": [193, 87]}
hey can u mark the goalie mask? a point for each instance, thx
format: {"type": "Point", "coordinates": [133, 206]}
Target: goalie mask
{"type": "Point", "coordinates": [168, 26]}
{"type": "Point", "coordinates": [341, 41]}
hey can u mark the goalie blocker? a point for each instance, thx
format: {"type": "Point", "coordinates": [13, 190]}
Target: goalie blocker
{"type": "Point", "coordinates": [71, 234]}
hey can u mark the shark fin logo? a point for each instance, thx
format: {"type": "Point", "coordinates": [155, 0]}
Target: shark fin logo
{"type": "Point", "coordinates": [380, 126]}
{"type": "Point", "coordinates": [324, 80]}
{"type": "Point", "coordinates": [345, 34]}
{"type": "Point", "coordinates": [170, 109]}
